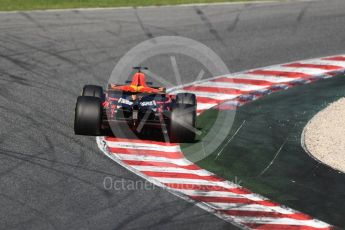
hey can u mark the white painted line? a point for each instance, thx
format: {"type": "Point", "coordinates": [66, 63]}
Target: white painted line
{"type": "Point", "coordinates": [205, 106]}
{"type": "Point", "coordinates": [181, 162]}
{"type": "Point", "coordinates": [281, 221]}
{"type": "Point", "coordinates": [247, 87]}
{"type": "Point", "coordinates": [250, 207]}
{"type": "Point", "coordinates": [309, 71]}
{"type": "Point", "coordinates": [325, 62]}
{"type": "Point", "coordinates": [200, 172]}
{"type": "Point", "coordinates": [153, 6]}
{"type": "Point", "coordinates": [210, 193]}
{"type": "Point", "coordinates": [273, 79]}
{"type": "Point", "coordinates": [143, 146]}
{"type": "Point", "coordinates": [218, 96]}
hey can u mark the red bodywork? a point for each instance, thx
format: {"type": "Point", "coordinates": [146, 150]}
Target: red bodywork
{"type": "Point", "coordinates": [138, 84]}
{"type": "Point", "coordinates": [131, 103]}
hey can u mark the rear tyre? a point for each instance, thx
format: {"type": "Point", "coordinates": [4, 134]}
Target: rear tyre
{"type": "Point", "coordinates": [88, 116]}
{"type": "Point", "coordinates": [186, 99]}
{"type": "Point", "coordinates": [92, 91]}
{"type": "Point", "coordinates": [182, 123]}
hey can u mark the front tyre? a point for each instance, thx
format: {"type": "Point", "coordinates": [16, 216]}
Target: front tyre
{"type": "Point", "coordinates": [88, 116]}
{"type": "Point", "coordinates": [182, 123]}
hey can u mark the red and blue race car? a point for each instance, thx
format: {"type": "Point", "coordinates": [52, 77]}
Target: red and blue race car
{"type": "Point", "coordinates": [136, 106]}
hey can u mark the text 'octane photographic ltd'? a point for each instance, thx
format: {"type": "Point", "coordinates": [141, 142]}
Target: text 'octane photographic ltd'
{"type": "Point", "coordinates": [116, 184]}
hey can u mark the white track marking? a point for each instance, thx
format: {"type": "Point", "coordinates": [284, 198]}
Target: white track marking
{"type": "Point", "coordinates": [247, 87]}
{"type": "Point", "coordinates": [217, 96]}
{"type": "Point", "coordinates": [253, 197]}
{"type": "Point", "coordinates": [143, 146]}
{"type": "Point", "coordinates": [121, 8]}
{"type": "Point", "coordinates": [200, 172]}
{"type": "Point", "coordinates": [193, 181]}
{"type": "Point", "coordinates": [325, 62]}
{"type": "Point", "coordinates": [204, 106]}
{"type": "Point", "coordinates": [282, 221]}
{"type": "Point", "coordinates": [143, 157]}
{"type": "Point", "coordinates": [273, 79]}
{"type": "Point", "coordinates": [304, 70]}
{"type": "Point", "coordinates": [250, 207]}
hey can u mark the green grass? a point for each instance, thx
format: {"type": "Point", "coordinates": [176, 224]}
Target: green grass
{"type": "Point", "coordinates": [11, 5]}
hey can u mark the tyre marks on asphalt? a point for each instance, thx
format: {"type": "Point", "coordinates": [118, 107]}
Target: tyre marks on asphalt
{"type": "Point", "coordinates": [165, 165]}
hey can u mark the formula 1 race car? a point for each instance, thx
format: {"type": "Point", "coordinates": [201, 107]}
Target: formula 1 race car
{"type": "Point", "coordinates": [138, 106]}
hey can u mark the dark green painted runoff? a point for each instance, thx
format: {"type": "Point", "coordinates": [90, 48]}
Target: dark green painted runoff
{"type": "Point", "coordinates": [273, 122]}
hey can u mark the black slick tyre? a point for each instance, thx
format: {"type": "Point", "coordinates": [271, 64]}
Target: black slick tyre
{"type": "Point", "coordinates": [182, 123]}
{"type": "Point", "coordinates": [186, 99]}
{"type": "Point", "coordinates": [92, 91]}
{"type": "Point", "coordinates": [88, 116]}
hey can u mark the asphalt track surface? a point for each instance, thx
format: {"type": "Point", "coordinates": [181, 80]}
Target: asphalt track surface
{"type": "Point", "coordinates": [52, 179]}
